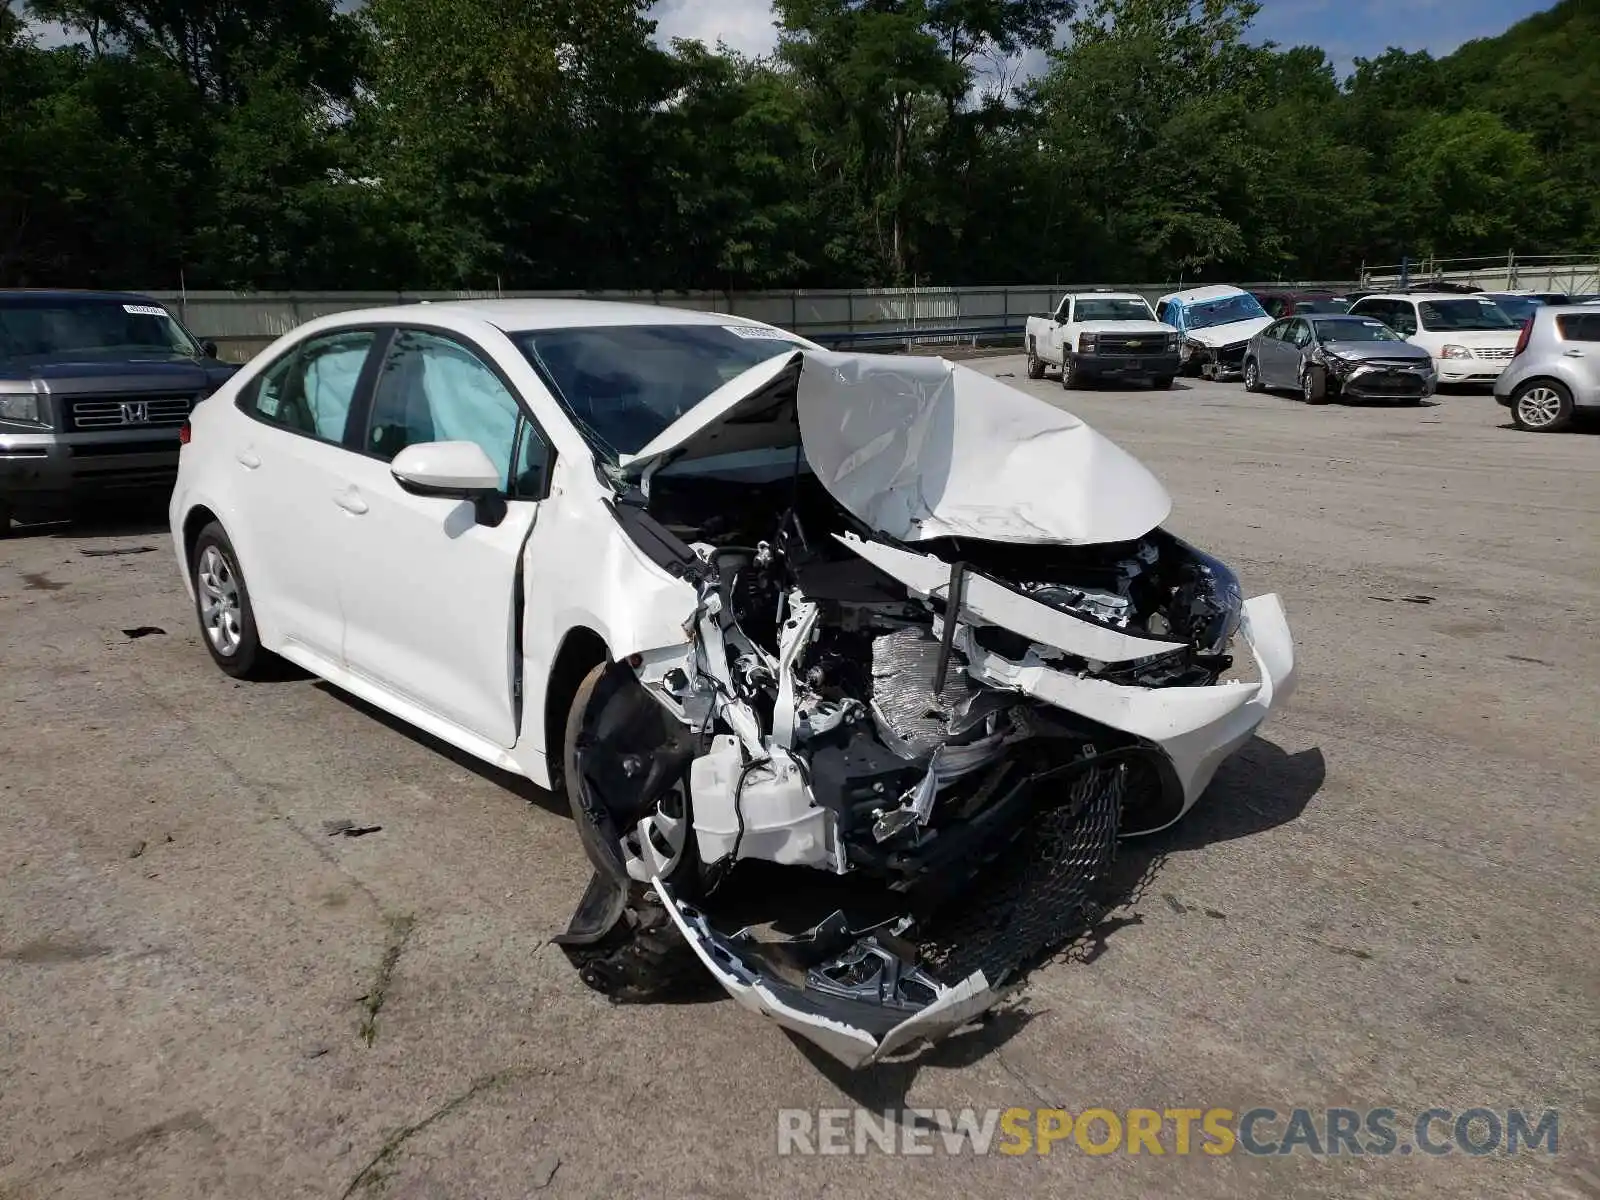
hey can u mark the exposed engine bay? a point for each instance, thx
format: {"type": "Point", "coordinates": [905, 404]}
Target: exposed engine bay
{"type": "Point", "coordinates": [901, 712]}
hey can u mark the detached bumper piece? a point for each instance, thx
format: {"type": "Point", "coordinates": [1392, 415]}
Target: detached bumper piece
{"type": "Point", "coordinates": [859, 996]}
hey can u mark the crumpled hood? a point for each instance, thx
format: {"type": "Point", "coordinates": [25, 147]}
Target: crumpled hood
{"type": "Point", "coordinates": [1232, 332]}
{"type": "Point", "coordinates": [1381, 351]}
{"type": "Point", "coordinates": [922, 448]}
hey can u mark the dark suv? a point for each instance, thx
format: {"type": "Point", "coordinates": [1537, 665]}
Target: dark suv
{"type": "Point", "coordinates": [94, 387]}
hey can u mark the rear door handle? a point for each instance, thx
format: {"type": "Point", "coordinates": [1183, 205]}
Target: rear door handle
{"type": "Point", "coordinates": [350, 500]}
{"type": "Point", "coordinates": [247, 458]}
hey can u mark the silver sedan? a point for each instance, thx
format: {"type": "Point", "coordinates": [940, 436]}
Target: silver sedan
{"type": "Point", "coordinates": [1322, 357]}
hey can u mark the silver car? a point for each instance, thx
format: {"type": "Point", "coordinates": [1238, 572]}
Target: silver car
{"type": "Point", "coordinates": [1324, 356]}
{"type": "Point", "coordinates": [1556, 369]}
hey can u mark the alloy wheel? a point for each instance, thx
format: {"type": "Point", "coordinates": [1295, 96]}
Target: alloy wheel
{"type": "Point", "coordinates": [220, 610]}
{"type": "Point", "coordinates": [1539, 407]}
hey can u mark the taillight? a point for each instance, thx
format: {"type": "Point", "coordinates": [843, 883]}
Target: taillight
{"type": "Point", "coordinates": [1522, 338]}
{"type": "Point", "coordinates": [184, 434]}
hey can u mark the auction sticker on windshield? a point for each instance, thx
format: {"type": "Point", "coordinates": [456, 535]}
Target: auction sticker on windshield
{"type": "Point", "coordinates": [145, 310]}
{"type": "Point", "coordinates": [760, 332]}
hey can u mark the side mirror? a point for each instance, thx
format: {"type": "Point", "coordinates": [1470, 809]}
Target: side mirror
{"type": "Point", "coordinates": [209, 349]}
{"type": "Point", "coordinates": [453, 471]}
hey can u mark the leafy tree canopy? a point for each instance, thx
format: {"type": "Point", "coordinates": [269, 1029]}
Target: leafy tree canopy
{"type": "Point", "coordinates": [554, 143]}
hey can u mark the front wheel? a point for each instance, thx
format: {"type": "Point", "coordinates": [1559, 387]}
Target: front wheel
{"type": "Point", "coordinates": [222, 603]}
{"type": "Point", "coordinates": [1541, 406]}
{"type": "Point", "coordinates": [1252, 376]}
{"type": "Point", "coordinates": [1070, 376]}
{"type": "Point", "coordinates": [1313, 385]}
{"type": "Point", "coordinates": [619, 748]}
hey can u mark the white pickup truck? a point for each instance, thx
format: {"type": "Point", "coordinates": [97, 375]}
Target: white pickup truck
{"type": "Point", "coordinates": [1101, 335]}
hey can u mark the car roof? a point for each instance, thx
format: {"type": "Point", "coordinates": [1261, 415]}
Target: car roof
{"type": "Point", "coordinates": [1105, 295]}
{"type": "Point", "coordinates": [1214, 291]}
{"type": "Point", "coordinates": [522, 316]}
{"type": "Point", "coordinates": [8, 294]}
{"type": "Point", "coordinates": [1423, 296]}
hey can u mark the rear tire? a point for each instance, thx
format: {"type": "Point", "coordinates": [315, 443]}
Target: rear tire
{"type": "Point", "coordinates": [1541, 406]}
{"type": "Point", "coordinates": [1163, 381]}
{"type": "Point", "coordinates": [5, 519]}
{"type": "Point", "coordinates": [222, 606]}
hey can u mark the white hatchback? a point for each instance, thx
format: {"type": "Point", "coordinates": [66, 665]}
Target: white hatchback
{"type": "Point", "coordinates": [742, 598]}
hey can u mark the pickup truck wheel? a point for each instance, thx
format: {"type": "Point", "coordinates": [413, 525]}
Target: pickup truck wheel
{"type": "Point", "coordinates": [1163, 381]}
{"type": "Point", "coordinates": [1035, 363]}
{"type": "Point", "coordinates": [1252, 376]}
{"type": "Point", "coordinates": [1069, 372]}
{"type": "Point", "coordinates": [222, 604]}
{"type": "Point", "coordinates": [5, 519]}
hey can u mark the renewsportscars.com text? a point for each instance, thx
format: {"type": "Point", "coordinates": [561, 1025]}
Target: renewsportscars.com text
{"type": "Point", "coordinates": [1177, 1131]}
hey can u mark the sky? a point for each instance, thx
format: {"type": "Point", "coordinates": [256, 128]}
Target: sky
{"type": "Point", "coordinates": [1344, 29]}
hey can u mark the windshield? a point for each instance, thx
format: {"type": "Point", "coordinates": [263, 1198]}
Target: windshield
{"type": "Point", "coordinates": [50, 326]}
{"type": "Point", "coordinates": [623, 384]}
{"type": "Point", "coordinates": [1463, 315]}
{"type": "Point", "coordinates": [1355, 329]}
{"type": "Point", "coordinates": [1518, 308]}
{"type": "Point", "coordinates": [1223, 311]}
{"type": "Point", "coordinates": [1113, 310]}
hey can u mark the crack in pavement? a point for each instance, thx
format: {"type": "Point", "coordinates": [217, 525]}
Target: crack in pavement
{"type": "Point", "coordinates": [400, 928]}
{"type": "Point", "coordinates": [374, 1173]}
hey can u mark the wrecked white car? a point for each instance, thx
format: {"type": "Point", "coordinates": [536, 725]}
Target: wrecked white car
{"type": "Point", "coordinates": [881, 618]}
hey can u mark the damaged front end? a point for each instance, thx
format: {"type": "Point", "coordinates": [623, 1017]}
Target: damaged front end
{"type": "Point", "coordinates": [962, 693]}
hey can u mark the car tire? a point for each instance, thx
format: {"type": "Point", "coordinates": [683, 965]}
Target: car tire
{"type": "Point", "coordinates": [5, 519]}
{"type": "Point", "coordinates": [1252, 376]}
{"type": "Point", "coordinates": [1313, 385]}
{"type": "Point", "coordinates": [1071, 377]}
{"type": "Point", "coordinates": [1541, 406]}
{"type": "Point", "coordinates": [1035, 363]}
{"type": "Point", "coordinates": [642, 957]}
{"type": "Point", "coordinates": [686, 866]}
{"type": "Point", "coordinates": [1163, 381]}
{"type": "Point", "coordinates": [222, 606]}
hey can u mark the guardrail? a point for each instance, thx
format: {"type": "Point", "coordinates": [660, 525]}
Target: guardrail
{"type": "Point", "coordinates": [242, 323]}
{"type": "Point", "coordinates": [971, 334]}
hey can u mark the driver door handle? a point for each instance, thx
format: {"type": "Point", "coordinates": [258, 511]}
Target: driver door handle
{"type": "Point", "coordinates": [1573, 353]}
{"type": "Point", "coordinates": [247, 458]}
{"type": "Point", "coordinates": [350, 500]}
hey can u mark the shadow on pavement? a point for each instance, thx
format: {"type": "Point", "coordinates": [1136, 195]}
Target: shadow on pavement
{"type": "Point", "coordinates": [516, 784]}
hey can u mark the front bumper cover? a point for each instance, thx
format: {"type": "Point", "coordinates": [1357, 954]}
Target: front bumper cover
{"type": "Point", "coordinates": [862, 998]}
{"type": "Point", "coordinates": [1194, 728]}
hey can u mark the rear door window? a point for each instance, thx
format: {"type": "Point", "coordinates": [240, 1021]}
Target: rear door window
{"type": "Point", "coordinates": [311, 388]}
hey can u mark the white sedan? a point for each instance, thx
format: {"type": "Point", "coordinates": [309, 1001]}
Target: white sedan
{"type": "Point", "coordinates": [742, 598]}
